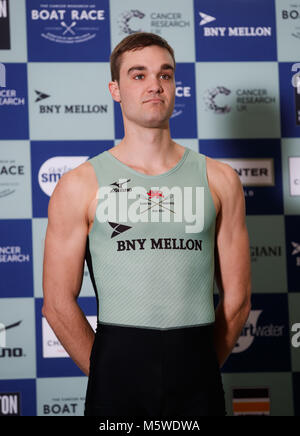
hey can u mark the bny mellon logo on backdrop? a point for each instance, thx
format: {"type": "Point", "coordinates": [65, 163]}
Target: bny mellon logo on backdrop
{"type": "Point", "coordinates": [231, 31]}
{"type": "Point", "coordinates": [57, 109]}
{"type": "Point", "coordinates": [41, 96]}
{"type": "Point", "coordinates": [205, 18]}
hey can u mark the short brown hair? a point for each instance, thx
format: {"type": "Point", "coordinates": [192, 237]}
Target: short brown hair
{"type": "Point", "coordinates": [135, 41]}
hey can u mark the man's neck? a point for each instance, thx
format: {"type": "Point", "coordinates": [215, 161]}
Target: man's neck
{"type": "Point", "coordinates": [147, 147]}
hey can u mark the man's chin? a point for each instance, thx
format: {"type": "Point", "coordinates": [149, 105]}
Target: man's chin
{"type": "Point", "coordinates": [156, 124]}
{"type": "Point", "coordinates": [156, 121]}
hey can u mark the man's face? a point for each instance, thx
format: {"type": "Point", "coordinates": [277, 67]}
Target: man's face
{"type": "Point", "coordinates": [146, 87]}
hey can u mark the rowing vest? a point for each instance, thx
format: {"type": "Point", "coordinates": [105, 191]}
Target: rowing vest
{"type": "Point", "coordinates": [150, 251]}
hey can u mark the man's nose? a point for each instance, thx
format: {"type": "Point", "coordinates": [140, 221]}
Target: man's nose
{"type": "Point", "coordinates": [155, 86]}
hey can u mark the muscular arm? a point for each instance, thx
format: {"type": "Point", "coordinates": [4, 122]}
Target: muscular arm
{"type": "Point", "coordinates": [233, 274]}
{"type": "Point", "coordinates": [64, 253]}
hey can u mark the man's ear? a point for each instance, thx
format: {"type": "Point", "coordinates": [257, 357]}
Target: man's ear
{"type": "Point", "coordinates": [115, 91]}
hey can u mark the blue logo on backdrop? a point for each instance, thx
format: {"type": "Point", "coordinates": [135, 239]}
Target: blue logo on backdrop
{"type": "Point", "coordinates": [15, 395]}
{"type": "Point", "coordinates": [237, 32]}
{"type": "Point", "coordinates": [265, 334]}
{"type": "Point", "coordinates": [14, 101]}
{"type": "Point", "coordinates": [289, 82]}
{"type": "Point", "coordinates": [68, 32]}
{"type": "Point", "coordinates": [52, 360]}
{"type": "Point", "coordinates": [292, 225]}
{"type": "Point", "coordinates": [258, 164]}
{"type": "Point", "coordinates": [50, 160]}
{"type": "Point", "coordinates": [16, 258]}
{"type": "Point", "coordinates": [183, 122]}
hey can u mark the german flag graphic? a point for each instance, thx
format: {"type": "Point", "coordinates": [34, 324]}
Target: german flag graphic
{"type": "Point", "coordinates": [250, 401]}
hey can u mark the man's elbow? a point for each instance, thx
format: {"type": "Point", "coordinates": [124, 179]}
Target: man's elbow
{"type": "Point", "coordinates": [44, 310]}
{"type": "Point", "coordinates": [48, 312]}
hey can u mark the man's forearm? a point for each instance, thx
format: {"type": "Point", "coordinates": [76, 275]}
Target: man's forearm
{"type": "Point", "coordinates": [73, 331]}
{"type": "Point", "coordinates": [228, 326]}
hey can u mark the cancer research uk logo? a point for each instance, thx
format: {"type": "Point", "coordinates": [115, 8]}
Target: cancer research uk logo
{"type": "Point", "coordinates": [13, 101]}
{"type": "Point", "coordinates": [62, 31]}
{"type": "Point", "coordinates": [265, 334]}
{"type": "Point", "coordinates": [134, 20]}
{"type": "Point", "coordinates": [235, 33]}
{"type": "Point", "coordinates": [173, 20]}
{"type": "Point", "coordinates": [242, 100]}
{"type": "Point", "coordinates": [16, 258]}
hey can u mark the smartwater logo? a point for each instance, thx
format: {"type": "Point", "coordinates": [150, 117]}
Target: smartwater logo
{"type": "Point", "coordinates": [52, 170]}
{"type": "Point", "coordinates": [252, 331]}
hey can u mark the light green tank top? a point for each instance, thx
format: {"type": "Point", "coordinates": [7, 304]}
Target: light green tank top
{"type": "Point", "coordinates": [150, 251]}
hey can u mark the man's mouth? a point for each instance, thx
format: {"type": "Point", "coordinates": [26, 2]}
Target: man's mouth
{"type": "Point", "coordinates": [154, 100]}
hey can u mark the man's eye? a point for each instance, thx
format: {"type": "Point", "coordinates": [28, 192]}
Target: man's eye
{"type": "Point", "coordinates": [166, 76]}
{"type": "Point", "coordinates": [138, 76]}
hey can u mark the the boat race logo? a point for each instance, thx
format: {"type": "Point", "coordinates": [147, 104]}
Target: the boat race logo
{"type": "Point", "coordinates": [71, 31]}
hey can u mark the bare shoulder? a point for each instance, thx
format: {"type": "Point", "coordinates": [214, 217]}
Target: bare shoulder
{"type": "Point", "coordinates": [223, 178]}
{"type": "Point", "coordinates": [77, 186]}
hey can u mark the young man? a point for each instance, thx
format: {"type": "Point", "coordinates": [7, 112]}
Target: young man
{"type": "Point", "coordinates": [156, 222]}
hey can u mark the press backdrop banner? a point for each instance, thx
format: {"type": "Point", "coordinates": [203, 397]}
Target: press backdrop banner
{"type": "Point", "coordinates": [237, 100]}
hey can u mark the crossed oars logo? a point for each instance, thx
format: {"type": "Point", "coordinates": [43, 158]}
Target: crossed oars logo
{"type": "Point", "coordinates": [156, 194]}
{"type": "Point", "coordinates": [68, 28]}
